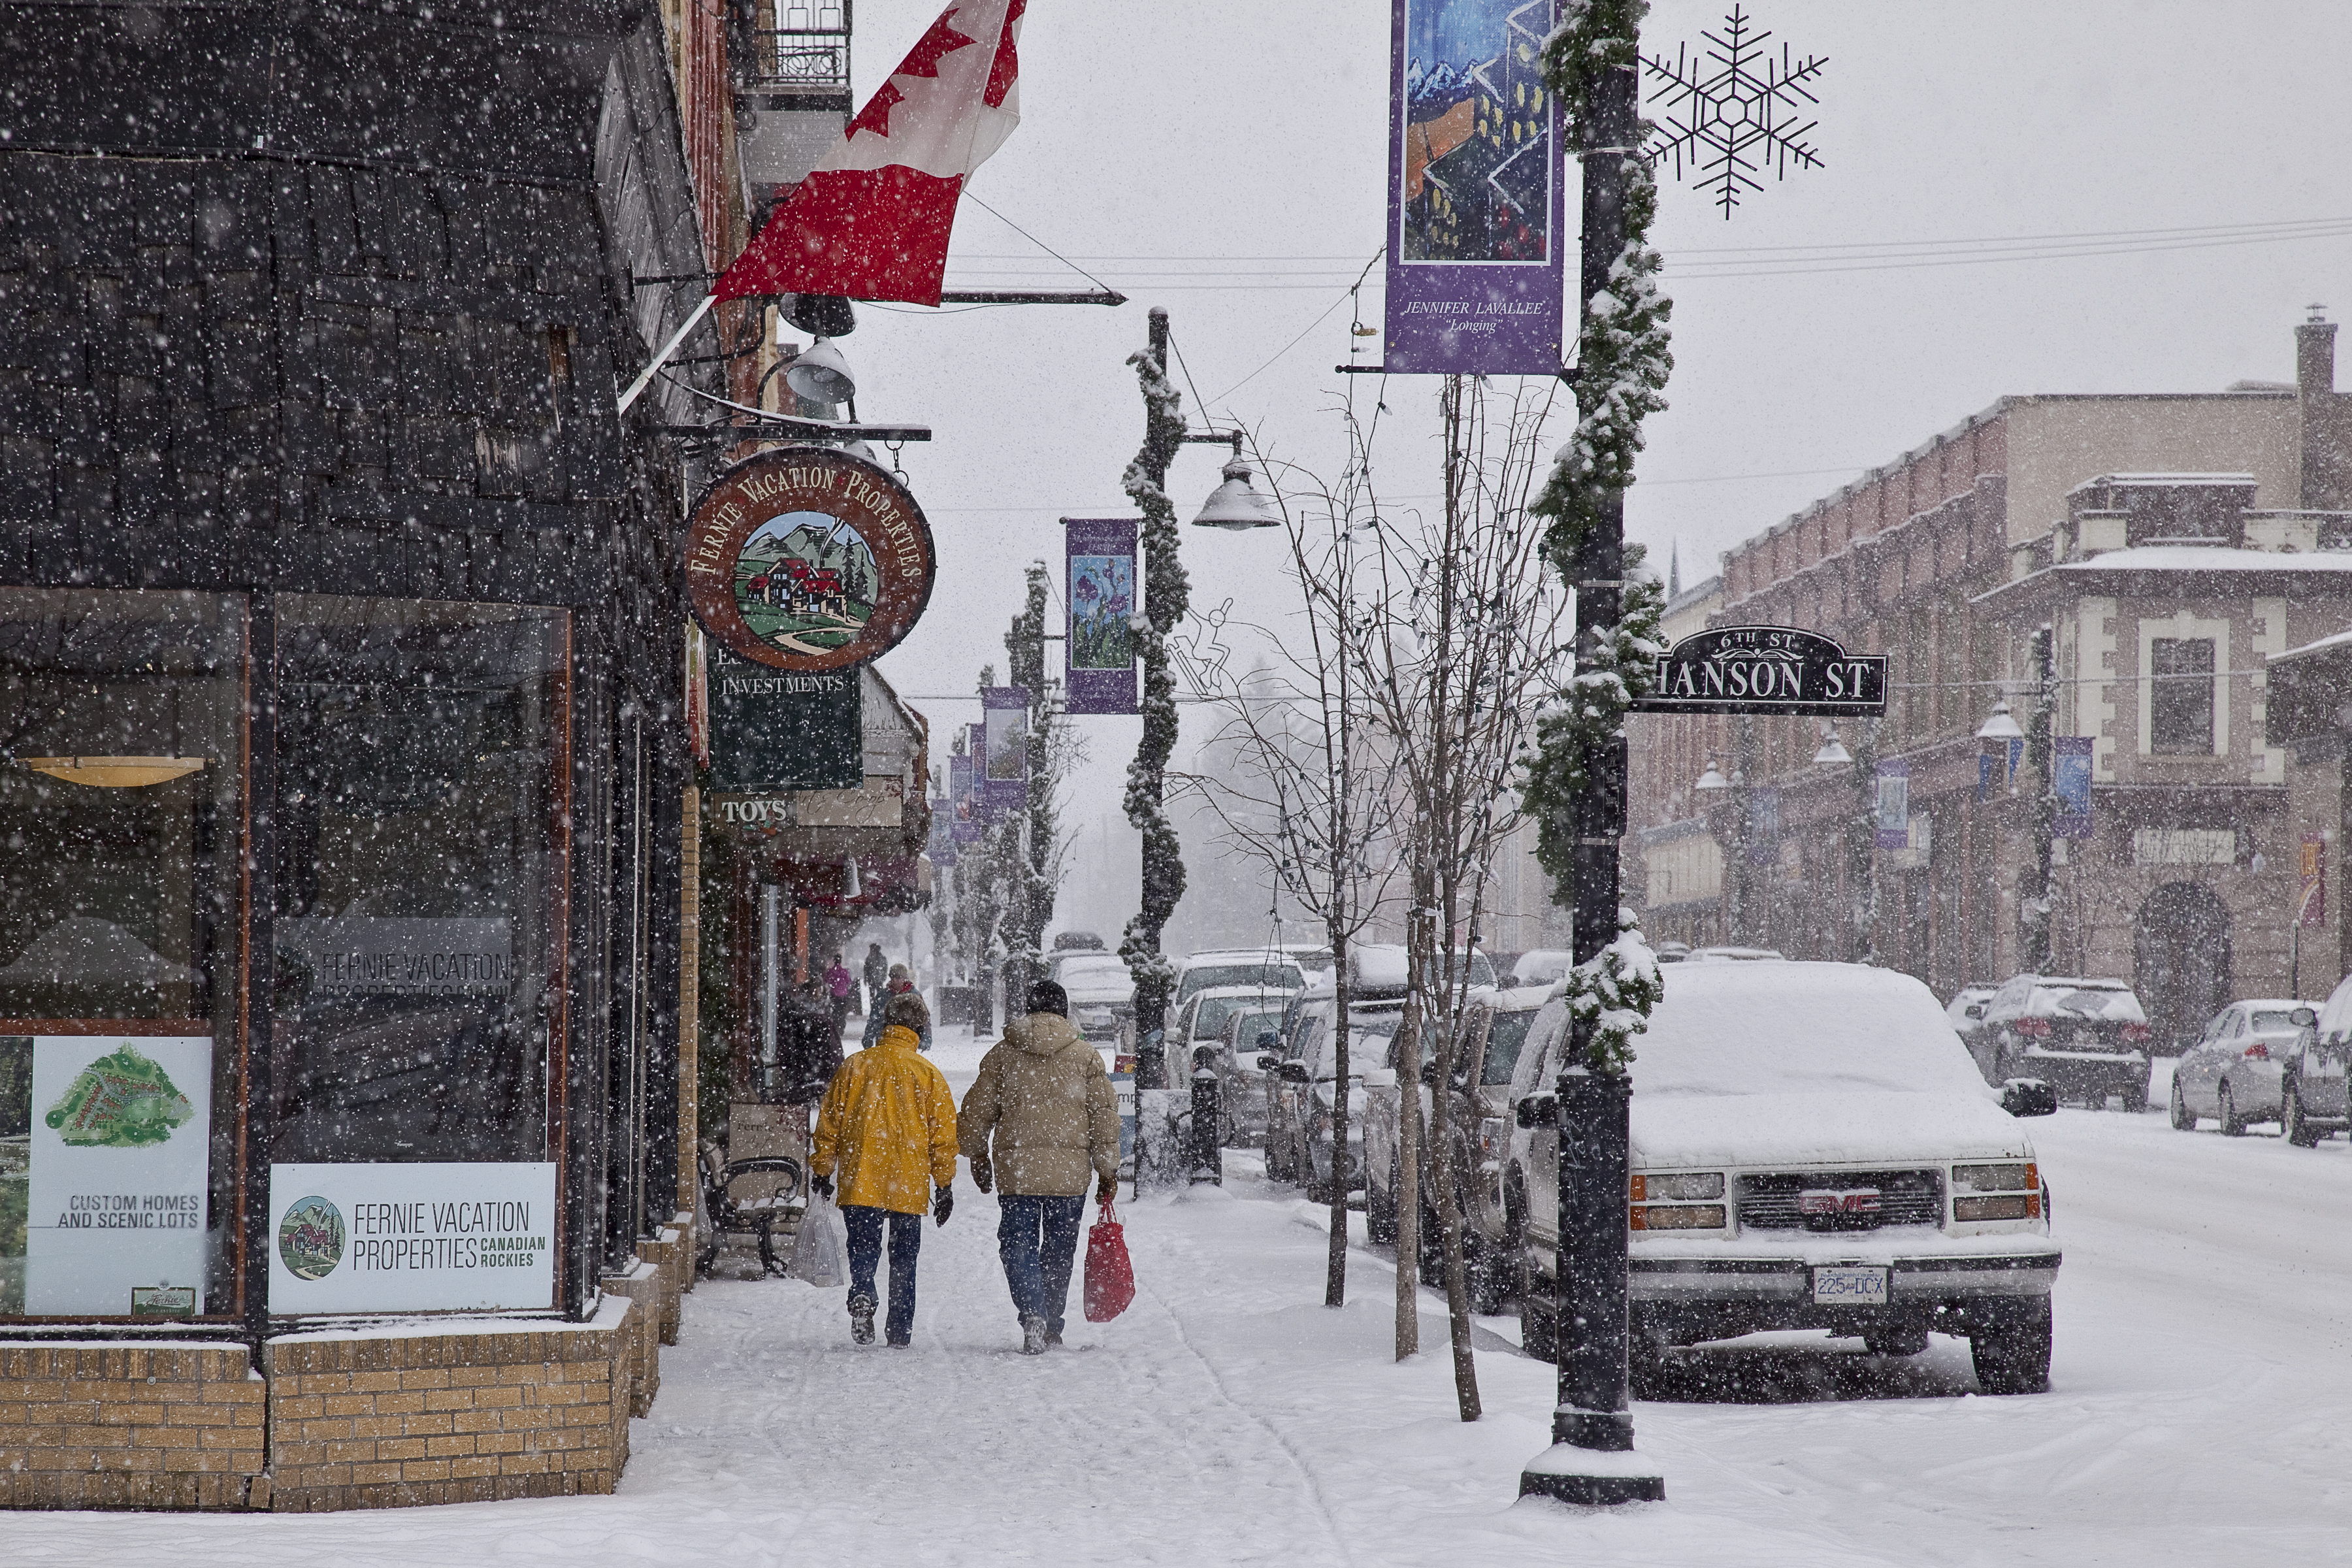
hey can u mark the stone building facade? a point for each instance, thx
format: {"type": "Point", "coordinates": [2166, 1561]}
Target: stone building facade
{"type": "Point", "coordinates": [2172, 545]}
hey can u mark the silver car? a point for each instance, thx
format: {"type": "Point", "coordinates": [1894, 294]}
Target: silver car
{"type": "Point", "coordinates": [1209, 1021]}
{"type": "Point", "coordinates": [1101, 990]}
{"type": "Point", "coordinates": [2236, 1070]}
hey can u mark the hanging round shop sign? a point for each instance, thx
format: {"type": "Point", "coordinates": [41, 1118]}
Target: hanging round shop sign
{"type": "Point", "coordinates": [806, 558]}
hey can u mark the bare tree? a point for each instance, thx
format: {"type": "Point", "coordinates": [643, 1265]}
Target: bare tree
{"type": "Point", "coordinates": [1460, 636]}
{"type": "Point", "coordinates": [1305, 791]}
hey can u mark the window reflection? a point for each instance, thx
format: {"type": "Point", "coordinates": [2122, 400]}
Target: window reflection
{"type": "Point", "coordinates": [420, 759]}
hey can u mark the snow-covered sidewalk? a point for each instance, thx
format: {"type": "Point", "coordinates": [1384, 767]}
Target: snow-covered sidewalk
{"type": "Point", "coordinates": [1229, 1418]}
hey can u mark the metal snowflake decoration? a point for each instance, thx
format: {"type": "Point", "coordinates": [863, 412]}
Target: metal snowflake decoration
{"type": "Point", "coordinates": [1731, 112]}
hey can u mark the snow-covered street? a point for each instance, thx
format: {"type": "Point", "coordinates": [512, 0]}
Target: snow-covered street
{"type": "Point", "coordinates": [2203, 1321]}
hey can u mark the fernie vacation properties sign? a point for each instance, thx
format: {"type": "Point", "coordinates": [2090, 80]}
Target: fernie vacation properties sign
{"type": "Point", "coordinates": [1767, 669]}
{"type": "Point", "coordinates": [806, 558]}
{"type": "Point", "coordinates": [410, 1239]}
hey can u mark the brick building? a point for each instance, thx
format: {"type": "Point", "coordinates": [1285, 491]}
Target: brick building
{"type": "Point", "coordinates": [2173, 544]}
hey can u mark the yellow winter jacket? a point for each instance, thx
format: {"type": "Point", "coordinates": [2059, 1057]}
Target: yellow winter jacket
{"type": "Point", "coordinates": [888, 1123]}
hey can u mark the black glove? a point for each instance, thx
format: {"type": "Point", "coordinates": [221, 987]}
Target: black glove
{"type": "Point", "coordinates": [983, 1174]}
{"type": "Point", "coordinates": [942, 1206]}
{"type": "Point", "coordinates": [1107, 1192]}
{"type": "Point", "coordinates": [821, 1185]}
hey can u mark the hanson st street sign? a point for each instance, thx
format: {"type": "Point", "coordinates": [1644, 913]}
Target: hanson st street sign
{"type": "Point", "coordinates": [1767, 669]}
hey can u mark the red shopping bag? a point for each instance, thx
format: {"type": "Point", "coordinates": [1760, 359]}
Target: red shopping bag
{"type": "Point", "coordinates": [1110, 1278]}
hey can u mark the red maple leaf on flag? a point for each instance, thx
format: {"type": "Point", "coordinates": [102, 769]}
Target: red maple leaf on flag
{"type": "Point", "coordinates": [923, 61]}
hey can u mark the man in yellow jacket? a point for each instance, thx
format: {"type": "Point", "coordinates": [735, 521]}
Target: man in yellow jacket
{"type": "Point", "coordinates": [888, 1124]}
{"type": "Point", "coordinates": [1044, 1100]}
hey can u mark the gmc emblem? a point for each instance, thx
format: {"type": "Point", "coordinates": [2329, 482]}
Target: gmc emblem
{"type": "Point", "coordinates": [1848, 1203]}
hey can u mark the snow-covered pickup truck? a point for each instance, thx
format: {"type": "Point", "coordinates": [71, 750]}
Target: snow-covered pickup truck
{"type": "Point", "coordinates": [1812, 1148]}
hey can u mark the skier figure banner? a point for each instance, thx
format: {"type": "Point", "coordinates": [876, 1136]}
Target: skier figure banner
{"type": "Point", "coordinates": [1477, 248]}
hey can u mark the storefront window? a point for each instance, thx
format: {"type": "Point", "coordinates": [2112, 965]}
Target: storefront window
{"type": "Point", "coordinates": [122, 819]}
{"type": "Point", "coordinates": [418, 931]}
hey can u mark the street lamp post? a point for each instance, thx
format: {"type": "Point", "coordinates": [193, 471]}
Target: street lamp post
{"type": "Point", "coordinates": [1591, 1460]}
{"type": "Point", "coordinates": [1167, 596]}
{"type": "Point", "coordinates": [2045, 803]}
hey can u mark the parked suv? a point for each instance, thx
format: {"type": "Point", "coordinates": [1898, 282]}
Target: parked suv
{"type": "Point", "coordinates": [2085, 1038]}
{"type": "Point", "coordinates": [1810, 1149]}
{"type": "Point", "coordinates": [1495, 1028]}
{"type": "Point", "coordinates": [2312, 1102]}
{"type": "Point", "coordinates": [2236, 1070]}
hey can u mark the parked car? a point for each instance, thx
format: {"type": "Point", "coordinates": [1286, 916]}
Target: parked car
{"type": "Point", "coordinates": [1381, 966]}
{"type": "Point", "coordinates": [1732, 954]}
{"type": "Point", "coordinates": [1101, 990]}
{"type": "Point", "coordinates": [2086, 1039]}
{"type": "Point", "coordinates": [1313, 958]}
{"type": "Point", "coordinates": [2236, 1069]}
{"type": "Point", "coordinates": [1966, 1011]}
{"type": "Point", "coordinates": [1298, 1144]}
{"type": "Point", "coordinates": [1810, 1149]}
{"type": "Point", "coordinates": [1266, 968]}
{"type": "Point", "coordinates": [2314, 1098]}
{"type": "Point", "coordinates": [1495, 1028]}
{"type": "Point", "coordinates": [1207, 1020]}
{"type": "Point", "coordinates": [1540, 966]}
{"type": "Point", "coordinates": [1672, 951]}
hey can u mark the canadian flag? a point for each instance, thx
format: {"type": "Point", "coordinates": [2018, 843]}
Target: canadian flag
{"type": "Point", "coordinates": [871, 221]}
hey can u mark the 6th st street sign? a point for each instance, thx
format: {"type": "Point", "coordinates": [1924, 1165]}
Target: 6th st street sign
{"type": "Point", "coordinates": [1767, 669]}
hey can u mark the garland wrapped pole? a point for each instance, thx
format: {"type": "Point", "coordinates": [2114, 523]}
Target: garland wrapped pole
{"type": "Point", "coordinates": [1166, 595]}
{"type": "Point", "coordinates": [1576, 784]}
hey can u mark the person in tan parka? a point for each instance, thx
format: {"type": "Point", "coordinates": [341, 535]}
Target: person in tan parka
{"type": "Point", "coordinates": [1043, 1100]}
{"type": "Point", "coordinates": [888, 1123]}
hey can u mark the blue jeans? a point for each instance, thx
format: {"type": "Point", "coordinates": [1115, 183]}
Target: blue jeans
{"type": "Point", "coordinates": [865, 1227]}
{"type": "Point", "coordinates": [1038, 1239]}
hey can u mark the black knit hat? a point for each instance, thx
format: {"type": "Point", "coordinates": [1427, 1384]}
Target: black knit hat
{"type": "Point", "coordinates": [1046, 996]}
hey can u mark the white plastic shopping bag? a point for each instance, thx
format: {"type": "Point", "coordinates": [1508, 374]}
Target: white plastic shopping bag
{"type": "Point", "coordinates": [821, 1252]}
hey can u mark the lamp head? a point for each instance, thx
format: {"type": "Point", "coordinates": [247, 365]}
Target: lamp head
{"type": "Point", "coordinates": [821, 315]}
{"type": "Point", "coordinates": [2000, 726]}
{"type": "Point", "coordinates": [1236, 504]}
{"type": "Point", "coordinates": [1713, 779]}
{"type": "Point", "coordinates": [821, 375]}
{"type": "Point", "coordinates": [1833, 751]}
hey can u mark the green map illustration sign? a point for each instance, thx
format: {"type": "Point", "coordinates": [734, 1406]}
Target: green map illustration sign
{"type": "Point", "coordinates": [110, 1137]}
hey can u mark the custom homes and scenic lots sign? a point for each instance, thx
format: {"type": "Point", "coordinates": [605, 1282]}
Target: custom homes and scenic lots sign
{"type": "Point", "coordinates": [806, 558]}
{"type": "Point", "coordinates": [1767, 669]}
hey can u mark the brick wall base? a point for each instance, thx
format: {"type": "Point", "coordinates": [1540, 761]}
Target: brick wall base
{"type": "Point", "coordinates": [171, 1425]}
{"type": "Point", "coordinates": [457, 1412]}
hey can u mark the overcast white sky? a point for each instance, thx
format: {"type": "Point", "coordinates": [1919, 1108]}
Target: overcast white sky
{"type": "Point", "coordinates": [1224, 158]}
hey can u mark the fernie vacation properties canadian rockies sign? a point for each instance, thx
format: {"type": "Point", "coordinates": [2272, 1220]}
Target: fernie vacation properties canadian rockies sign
{"type": "Point", "coordinates": [1767, 669]}
{"type": "Point", "coordinates": [806, 558]}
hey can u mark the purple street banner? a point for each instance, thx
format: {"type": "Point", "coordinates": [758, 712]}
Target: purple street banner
{"type": "Point", "coordinates": [964, 825]}
{"type": "Point", "coordinates": [1004, 759]}
{"type": "Point", "coordinates": [1895, 805]}
{"type": "Point", "coordinates": [2070, 780]}
{"type": "Point", "coordinates": [1100, 592]}
{"type": "Point", "coordinates": [1478, 242]}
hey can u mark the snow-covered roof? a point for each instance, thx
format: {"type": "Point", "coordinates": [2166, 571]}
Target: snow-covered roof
{"type": "Point", "coordinates": [2339, 639]}
{"type": "Point", "coordinates": [2166, 479]}
{"type": "Point", "coordinates": [2210, 558]}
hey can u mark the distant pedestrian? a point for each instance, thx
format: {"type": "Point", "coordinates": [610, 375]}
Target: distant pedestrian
{"type": "Point", "coordinates": [888, 1125]}
{"type": "Point", "coordinates": [1044, 1099]}
{"type": "Point", "coordinates": [876, 970]}
{"type": "Point", "coordinates": [902, 981]}
{"type": "Point", "coordinates": [842, 986]}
